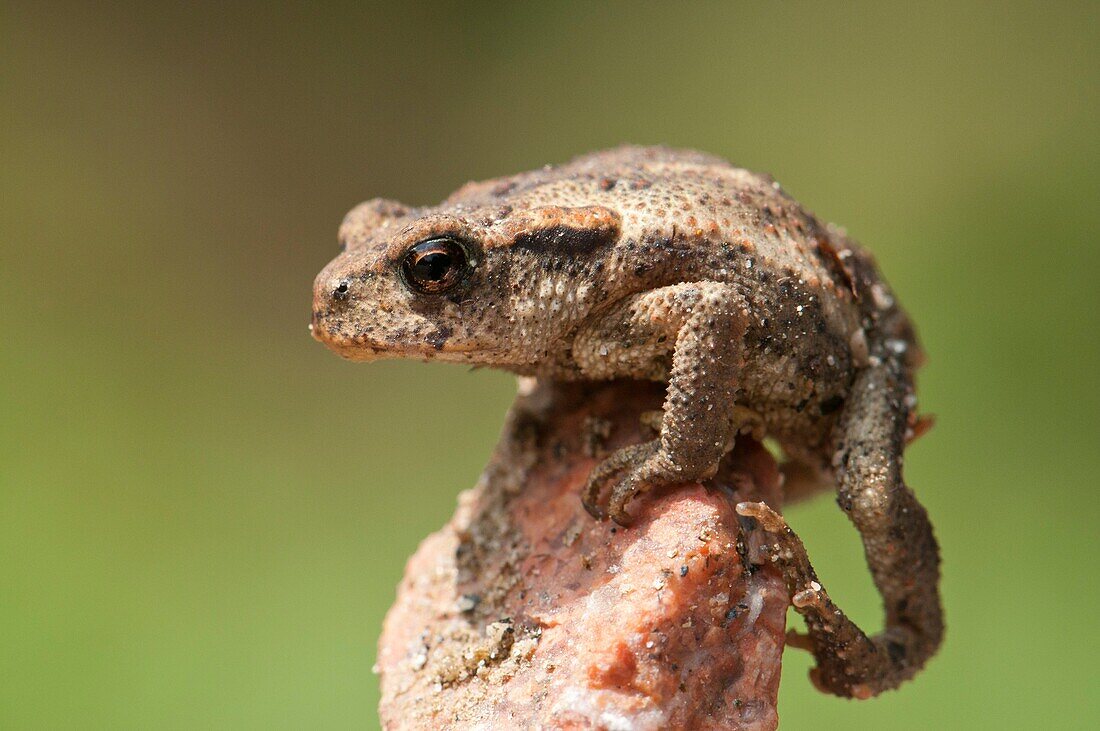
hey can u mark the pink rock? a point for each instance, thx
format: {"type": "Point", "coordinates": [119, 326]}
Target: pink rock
{"type": "Point", "coordinates": [524, 612]}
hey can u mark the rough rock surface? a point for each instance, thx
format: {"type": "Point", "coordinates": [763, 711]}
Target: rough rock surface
{"type": "Point", "coordinates": [524, 612]}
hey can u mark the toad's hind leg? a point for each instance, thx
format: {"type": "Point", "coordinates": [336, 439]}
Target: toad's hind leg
{"type": "Point", "coordinates": [897, 539]}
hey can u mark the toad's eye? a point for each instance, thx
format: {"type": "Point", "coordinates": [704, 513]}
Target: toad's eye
{"type": "Point", "coordinates": [436, 265]}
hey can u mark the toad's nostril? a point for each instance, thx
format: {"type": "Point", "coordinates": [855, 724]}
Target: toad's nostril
{"type": "Point", "coordinates": [341, 291]}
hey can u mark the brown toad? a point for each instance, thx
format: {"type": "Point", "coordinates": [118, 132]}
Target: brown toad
{"type": "Point", "coordinates": [678, 267]}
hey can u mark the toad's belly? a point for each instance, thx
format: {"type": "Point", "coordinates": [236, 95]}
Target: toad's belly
{"type": "Point", "coordinates": [797, 387]}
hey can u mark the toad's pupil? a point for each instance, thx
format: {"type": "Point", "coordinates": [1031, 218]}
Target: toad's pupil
{"type": "Point", "coordinates": [432, 266]}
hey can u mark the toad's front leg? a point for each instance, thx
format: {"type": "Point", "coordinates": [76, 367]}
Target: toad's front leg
{"type": "Point", "coordinates": [692, 334]}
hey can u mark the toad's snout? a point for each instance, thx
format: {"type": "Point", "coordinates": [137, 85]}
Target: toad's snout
{"type": "Point", "coordinates": [340, 319]}
{"type": "Point", "coordinates": [331, 311]}
{"type": "Point", "coordinates": [331, 289]}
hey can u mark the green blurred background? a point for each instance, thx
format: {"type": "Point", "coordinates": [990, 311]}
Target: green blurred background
{"type": "Point", "coordinates": [203, 514]}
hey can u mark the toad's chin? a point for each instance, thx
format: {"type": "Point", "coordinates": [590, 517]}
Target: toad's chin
{"type": "Point", "coordinates": [360, 354]}
{"type": "Point", "coordinates": [349, 348]}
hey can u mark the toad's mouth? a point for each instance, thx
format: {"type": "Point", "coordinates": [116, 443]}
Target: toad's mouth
{"type": "Point", "coordinates": [360, 348]}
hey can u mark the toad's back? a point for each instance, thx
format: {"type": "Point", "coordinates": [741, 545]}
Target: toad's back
{"type": "Point", "coordinates": [686, 216]}
{"type": "Point", "coordinates": [683, 196]}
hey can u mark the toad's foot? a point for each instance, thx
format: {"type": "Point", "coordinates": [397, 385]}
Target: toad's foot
{"type": "Point", "coordinates": [849, 663]}
{"type": "Point", "coordinates": [628, 459]}
{"type": "Point", "coordinates": [643, 467]}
